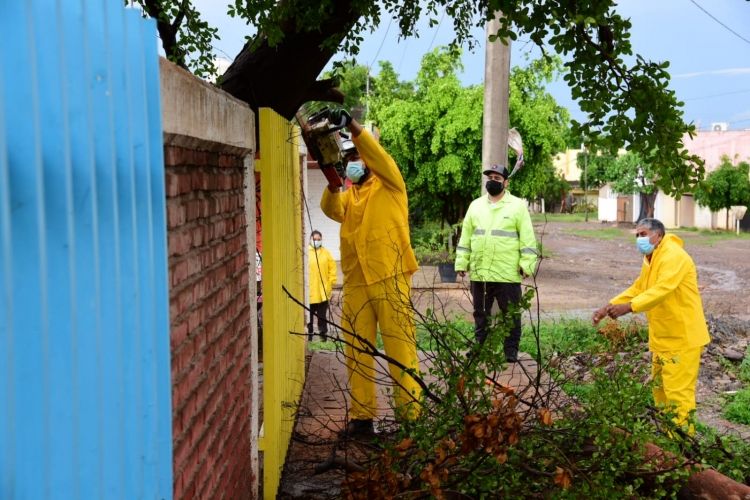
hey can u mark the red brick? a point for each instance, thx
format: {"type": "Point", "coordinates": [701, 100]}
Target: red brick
{"type": "Point", "coordinates": [209, 312]}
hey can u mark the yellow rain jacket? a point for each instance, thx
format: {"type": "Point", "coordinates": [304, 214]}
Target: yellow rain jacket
{"type": "Point", "coordinates": [496, 240]}
{"type": "Point", "coordinates": [374, 217]}
{"type": "Point", "coordinates": [322, 274]}
{"type": "Point", "coordinates": [667, 290]}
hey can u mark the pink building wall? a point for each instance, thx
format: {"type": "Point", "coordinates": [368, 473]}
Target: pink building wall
{"type": "Point", "coordinates": [712, 145]}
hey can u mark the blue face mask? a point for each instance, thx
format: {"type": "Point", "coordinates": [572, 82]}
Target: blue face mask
{"type": "Point", "coordinates": [317, 244]}
{"type": "Point", "coordinates": [355, 171]}
{"type": "Point", "coordinates": [644, 245]}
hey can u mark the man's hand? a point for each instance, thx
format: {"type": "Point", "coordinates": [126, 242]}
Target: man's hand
{"type": "Point", "coordinates": [340, 116]}
{"type": "Point", "coordinates": [462, 273]}
{"type": "Point", "coordinates": [618, 310]}
{"type": "Point", "coordinates": [599, 314]}
{"type": "Point", "coordinates": [522, 273]}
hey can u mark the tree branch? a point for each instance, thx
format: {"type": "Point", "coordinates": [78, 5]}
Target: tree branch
{"type": "Point", "coordinates": [167, 31]}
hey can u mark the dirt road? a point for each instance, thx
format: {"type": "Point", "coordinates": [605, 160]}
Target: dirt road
{"type": "Point", "coordinates": [587, 264]}
{"type": "Point", "coordinates": [592, 262]}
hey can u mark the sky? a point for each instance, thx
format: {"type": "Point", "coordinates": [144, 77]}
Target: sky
{"type": "Point", "coordinates": [710, 66]}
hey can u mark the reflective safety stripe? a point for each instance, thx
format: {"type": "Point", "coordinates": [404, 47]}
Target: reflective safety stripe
{"type": "Point", "coordinates": [529, 250]}
{"type": "Point", "coordinates": [480, 231]}
{"type": "Point", "coordinates": [510, 234]}
{"type": "Point", "coordinates": [463, 249]}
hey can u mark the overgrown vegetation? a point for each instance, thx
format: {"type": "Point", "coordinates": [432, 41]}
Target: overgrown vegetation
{"type": "Point", "coordinates": [582, 436]}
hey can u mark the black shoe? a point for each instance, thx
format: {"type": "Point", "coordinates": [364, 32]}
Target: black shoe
{"type": "Point", "coordinates": [511, 357]}
{"type": "Point", "coordinates": [358, 429]}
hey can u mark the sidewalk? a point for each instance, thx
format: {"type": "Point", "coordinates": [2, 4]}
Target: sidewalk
{"type": "Point", "coordinates": [323, 409]}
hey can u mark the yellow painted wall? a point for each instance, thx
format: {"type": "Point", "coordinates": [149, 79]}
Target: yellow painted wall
{"type": "Point", "coordinates": [283, 352]}
{"type": "Point", "coordinates": [565, 163]}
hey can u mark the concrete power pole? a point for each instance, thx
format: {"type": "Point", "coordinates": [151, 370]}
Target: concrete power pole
{"type": "Point", "coordinates": [496, 97]}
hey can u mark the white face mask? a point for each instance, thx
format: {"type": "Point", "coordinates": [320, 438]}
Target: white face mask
{"type": "Point", "coordinates": [317, 243]}
{"type": "Point", "coordinates": [355, 170]}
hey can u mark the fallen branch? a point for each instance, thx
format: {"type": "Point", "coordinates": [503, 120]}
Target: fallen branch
{"type": "Point", "coordinates": [339, 462]}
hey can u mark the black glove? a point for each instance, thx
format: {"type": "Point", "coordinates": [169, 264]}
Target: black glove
{"type": "Point", "coordinates": [340, 116]}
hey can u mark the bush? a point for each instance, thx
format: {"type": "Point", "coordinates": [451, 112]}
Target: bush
{"type": "Point", "coordinates": [486, 441]}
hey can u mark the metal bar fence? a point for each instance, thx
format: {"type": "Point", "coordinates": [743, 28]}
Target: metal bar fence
{"type": "Point", "coordinates": [283, 352]}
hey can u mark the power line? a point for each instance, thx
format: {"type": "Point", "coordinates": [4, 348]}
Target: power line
{"type": "Point", "coordinates": [402, 56]}
{"type": "Point", "coordinates": [382, 42]}
{"type": "Point", "coordinates": [708, 127]}
{"type": "Point", "coordinates": [717, 95]}
{"type": "Point", "coordinates": [436, 31]}
{"type": "Point", "coordinates": [712, 17]}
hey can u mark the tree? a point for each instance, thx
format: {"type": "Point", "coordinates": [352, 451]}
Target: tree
{"type": "Point", "coordinates": [434, 132]}
{"type": "Point", "coordinates": [278, 67]}
{"type": "Point", "coordinates": [725, 187]}
{"type": "Point", "coordinates": [630, 174]}
{"type": "Point", "coordinates": [541, 122]}
{"type": "Point", "coordinates": [435, 136]}
{"type": "Point", "coordinates": [554, 192]}
{"type": "Point", "coordinates": [595, 169]}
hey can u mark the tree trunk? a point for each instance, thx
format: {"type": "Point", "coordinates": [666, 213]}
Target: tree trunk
{"type": "Point", "coordinates": [284, 77]}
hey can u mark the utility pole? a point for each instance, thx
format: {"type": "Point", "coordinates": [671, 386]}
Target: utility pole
{"type": "Point", "coordinates": [367, 99]}
{"type": "Point", "coordinates": [496, 98]}
{"type": "Point", "coordinates": [586, 180]}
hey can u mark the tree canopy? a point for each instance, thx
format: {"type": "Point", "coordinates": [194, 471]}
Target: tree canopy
{"type": "Point", "coordinates": [725, 187]}
{"type": "Point", "coordinates": [629, 103]}
{"type": "Point", "coordinates": [433, 129]}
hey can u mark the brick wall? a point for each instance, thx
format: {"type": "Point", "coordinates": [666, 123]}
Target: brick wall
{"type": "Point", "coordinates": [210, 323]}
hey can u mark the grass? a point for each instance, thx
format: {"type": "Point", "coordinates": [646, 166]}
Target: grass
{"type": "Point", "coordinates": [709, 237]}
{"type": "Point", "coordinates": [600, 234]}
{"type": "Point", "coordinates": [738, 409]}
{"type": "Point", "coordinates": [571, 334]}
{"type": "Point", "coordinates": [563, 217]}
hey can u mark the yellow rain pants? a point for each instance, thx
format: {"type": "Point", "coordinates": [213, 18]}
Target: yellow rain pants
{"type": "Point", "coordinates": [675, 374]}
{"type": "Point", "coordinates": [387, 304]}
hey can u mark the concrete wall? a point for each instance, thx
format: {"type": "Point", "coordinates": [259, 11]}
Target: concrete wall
{"type": "Point", "coordinates": [208, 144]}
{"type": "Point", "coordinates": [687, 211]}
{"type": "Point", "coordinates": [703, 218]}
{"type": "Point", "coordinates": [608, 209]}
{"type": "Point", "coordinates": [665, 209]}
{"type": "Point", "coordinates": [565, 164]}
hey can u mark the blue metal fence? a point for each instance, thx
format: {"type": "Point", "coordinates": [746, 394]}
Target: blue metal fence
{"type": "Point", "coordinates": [85, 396]}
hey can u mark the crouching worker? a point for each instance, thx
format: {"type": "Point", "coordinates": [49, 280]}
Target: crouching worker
{"type": "Point", "coordinates": [667, 291]}
{"type": "Point", "coordinates": [377, 262]}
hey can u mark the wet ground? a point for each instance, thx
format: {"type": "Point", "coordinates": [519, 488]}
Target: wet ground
{"type": "Point", "coordinates": [586, 264]}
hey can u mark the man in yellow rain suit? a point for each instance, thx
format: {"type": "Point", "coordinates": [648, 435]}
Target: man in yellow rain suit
{"type": "Point", "coordinates": [667, 291]}
{"type": "Point", "coordinates": [377, 262]}
{"type": "Point", "coordinates": [322, 278]}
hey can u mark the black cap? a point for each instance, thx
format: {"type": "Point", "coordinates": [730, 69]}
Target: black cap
{"type": "Point", "coordinates": [497, 169]}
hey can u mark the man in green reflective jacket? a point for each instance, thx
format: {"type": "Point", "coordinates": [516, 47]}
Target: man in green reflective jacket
{"type": "Point", "coordinates": [498, 248]}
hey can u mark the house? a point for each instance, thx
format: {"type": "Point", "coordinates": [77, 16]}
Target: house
{"type": "Point", "coordinates": [711, 146]}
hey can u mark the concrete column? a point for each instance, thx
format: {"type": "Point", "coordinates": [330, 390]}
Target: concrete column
{"type": "Point", "coordinates": [496, 95]}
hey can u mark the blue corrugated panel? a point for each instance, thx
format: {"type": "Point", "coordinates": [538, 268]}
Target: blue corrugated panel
{"type": "Point", "coordinates": [85, 395]}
